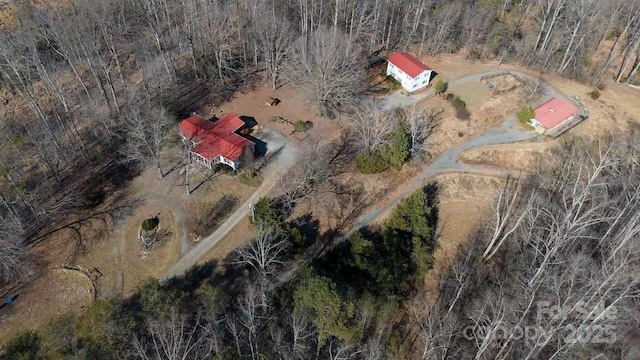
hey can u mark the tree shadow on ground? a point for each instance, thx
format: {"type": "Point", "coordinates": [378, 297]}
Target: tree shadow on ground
{"type": "Point", "coordinates": [309, 227]}
{"type": "Point", "coordinates": [209, 175]}
{"type": "Point", "coordinates": [195, 94]}
{"type": "Point", "coordinates": [193, 278]}
{"type": "Point", "coordinates": [269, 158]}
{"type": "Point", "coordinates": [161, 238]}
{"type": "Point", "coordinates": [431, 195]}
{"type": "Point", "coordinates": [231, 278]}
{"type": "Point", "coordinates": [87, 226]}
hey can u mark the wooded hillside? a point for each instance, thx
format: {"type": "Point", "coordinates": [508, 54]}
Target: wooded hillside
{"type": "Point", "coordinates": [91, 91]}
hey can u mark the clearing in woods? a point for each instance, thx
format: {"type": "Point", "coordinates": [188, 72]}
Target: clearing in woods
{"type": "Point", "coordinates": [113, 247]}
{"type": "Point", "coordinates": [463, 198]}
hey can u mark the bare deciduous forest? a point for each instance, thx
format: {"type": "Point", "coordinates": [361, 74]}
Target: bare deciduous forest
{"type": "Point", "coordinates": [91, 92]}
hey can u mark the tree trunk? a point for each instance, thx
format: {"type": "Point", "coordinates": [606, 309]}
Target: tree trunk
{"type": "Point", "coordinates": [634, 71]}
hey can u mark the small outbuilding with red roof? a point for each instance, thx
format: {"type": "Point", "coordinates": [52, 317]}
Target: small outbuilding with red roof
{"type": "Point", "coordinates": [409, 71]}
{"type": "Point", "coordinates": [552, 113]}
{"type": "Point", "coordinates": [215, 142]}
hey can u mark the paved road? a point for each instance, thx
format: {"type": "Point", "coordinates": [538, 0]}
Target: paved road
{"type": "Point", "coordinates": [285, 156]}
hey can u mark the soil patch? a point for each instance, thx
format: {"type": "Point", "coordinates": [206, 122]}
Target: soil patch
{"type": "Point", "coordinates": [293, 106]}
{"type": "Point", "coordinates": [475, 94]}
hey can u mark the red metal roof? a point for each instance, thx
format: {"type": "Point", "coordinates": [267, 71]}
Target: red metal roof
{"type": "Point", "coordinates": [215, 138]}
{"type": "Point", "coordinates": [554, 111]}
{"type": "Point", "coordinates": [407, 63]}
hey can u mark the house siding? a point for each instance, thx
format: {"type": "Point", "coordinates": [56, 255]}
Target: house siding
{"type": "Point", "coordinates": [409, 83]}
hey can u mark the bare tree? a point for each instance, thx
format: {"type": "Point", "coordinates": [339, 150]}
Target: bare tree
{"type": "Point", "coordinates": [249, 316]}
{"type": "Point", "coordinates": [302, 334]}
{"type": "Point", "coordinates": [372, 123]}
{"type": "Point", "coordinates": [13, 251]}
{"type": "Point", "coordinates": [506, 205]}
{"type": "Point", "coordinates": [264, 255]}
{"type": "Point", "coordinates": [564, 248]}
{"type": "Point", "coordinates": [312, 176]}
{"type": "Point", "coordinates": [147, 131]}
{"type": "Point", "coordinates": [419, 124]}
{"type": "Point", "coordinates": [176, 337]}
{"type": "Point", "coordinates": [327, 64]}
{"type": "Point", "coordinates": [580, 11]}
{"type": "Point", "coordinates": [274, 35]}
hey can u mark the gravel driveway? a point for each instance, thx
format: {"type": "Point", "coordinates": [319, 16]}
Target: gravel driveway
{"type": "Point", "coordinates": [283, 155]}
{"type": "Point", "coordinates": [509, 131]}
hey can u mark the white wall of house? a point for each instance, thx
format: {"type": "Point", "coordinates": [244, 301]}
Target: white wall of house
{"type": "Point", "coordinates": [200, 159]}
{"type": "Point", "coordinates": [217, 160]}
{"type": "Point", "coordinates": [224, 160]}
{"type": "Point", "coordinates": [409, 83]}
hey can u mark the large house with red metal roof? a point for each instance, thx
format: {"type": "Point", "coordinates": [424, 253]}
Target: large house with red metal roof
{"type": "Point", "coordinates": [552, 113]}
{"type": "Point", "coordinates": [215, 142]}
{"type": "Point", "coordinates": [409, 71]}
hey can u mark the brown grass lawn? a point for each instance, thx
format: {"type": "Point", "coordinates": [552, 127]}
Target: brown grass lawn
{"type": "Point", "coordinates": [164, 254]}
{"type": "Point", "coordinates": [507, 156]}
{"type": "Point", "coordinates": [487, 110]}
{"type": "Point", "coordinates": [52, 294]}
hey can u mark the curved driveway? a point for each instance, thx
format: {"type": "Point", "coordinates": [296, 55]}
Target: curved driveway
{"type": "Point", "coordinates": [508, 132]}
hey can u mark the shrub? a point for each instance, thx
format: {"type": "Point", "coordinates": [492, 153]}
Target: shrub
{"type": "Point", "coordinates": [298, 126]}
{"type": "Point", "coordinates": [525, 114]}
{"type": "Point", "coordinates": [265, 211]}
{"type": "Point", "coordinates": [397, 151]}
{"type": "Point", "coordinates": [149, 224]}
{"type": "Point", "coordinates": [450, 97]}
{"type": "Point", "coordinates": [460, 134]}
{"type": "Point", "coordinates": [389, 156]}
{"type": "Point", "coordinates": [249, 179]}
{"type": "Point", "coordinates": [440, 87]}
{"type": "Point", "coordinates": [17, 140]}
{"type": "Point", "coordinates": [459, 104]}
{"type": "Point", "coordinates": [24, 346]}
{"type": "Point", "coordinates": [393, 83]}
{"type": "Point", "coordinates": [371, 163]}
{"type": "Point", "coordinates": [595, 94]}
{"type": "Point", "coordinates": [601, 86]}
{"type": "Point", "coordinates": [475, 54]}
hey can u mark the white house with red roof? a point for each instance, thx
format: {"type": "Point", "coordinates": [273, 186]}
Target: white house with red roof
{"type": "Point", "coordinates": [215, 142]}
{"type": "Point", "coordinates": [552, 113]}
{"type": "Point", "coordinates": [409, 71]}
